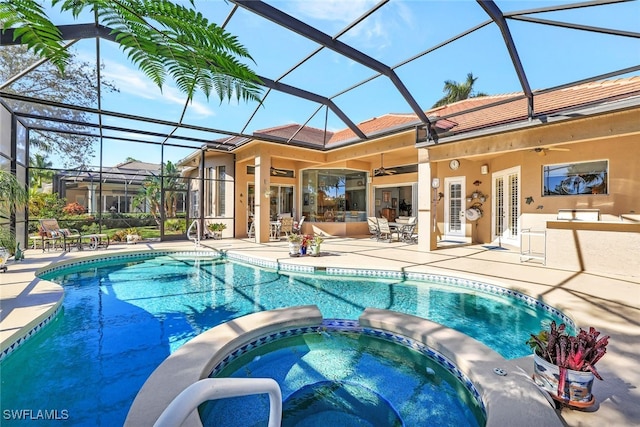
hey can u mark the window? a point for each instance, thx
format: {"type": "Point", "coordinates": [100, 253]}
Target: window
{"type": "Point", "coordinates": [195, 204]}
{"type": "Point", "coordinates": [217, 191]}
{"type": "Point", "coordinates": [221, 200]}
{"type": "Point", "coordinates": [575, 178]}
{"type": "Point", "coordinates": [334, 195]}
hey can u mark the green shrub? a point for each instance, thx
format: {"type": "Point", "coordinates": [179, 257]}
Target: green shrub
{"type": "Point", "coordinates": [121, 235]}
{"type": "Point", "coordinates": [175, 225]}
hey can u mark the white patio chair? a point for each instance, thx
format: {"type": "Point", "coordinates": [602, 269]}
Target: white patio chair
{"type": "Point", "coordinates": [372, 222]}
{"type": "Point", "coordinates": [385, 230]}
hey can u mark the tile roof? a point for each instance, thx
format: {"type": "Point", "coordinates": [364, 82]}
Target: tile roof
{"type": "Point", "coordinates": [293, 131]}
{"type": "Point", "coordinates": [468, 115]}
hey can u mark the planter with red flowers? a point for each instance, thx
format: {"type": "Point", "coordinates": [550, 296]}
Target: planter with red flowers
{"type": "Point", "coordinates": [564, 365]}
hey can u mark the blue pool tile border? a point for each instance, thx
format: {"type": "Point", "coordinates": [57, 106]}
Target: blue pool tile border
{"type": "Point", "coordinates": [347, 325]}
{"type": "Point", "coordinates": [16, 344]}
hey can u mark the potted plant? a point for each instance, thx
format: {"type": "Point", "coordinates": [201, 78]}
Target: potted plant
{"type": "Point", "coordinates": [216, 229]}
{"type": "Point", "coordinates": [315, 245]}
{"type": "Point", "coordinates": [295, 241]}
{"type": "Point", "coordinates": [304, 244]}
{"type": "Point", "coordinates": [564, 365]}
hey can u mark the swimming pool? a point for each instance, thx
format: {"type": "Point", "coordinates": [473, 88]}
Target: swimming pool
{"type": "Point", "coordinates": [120, 319]}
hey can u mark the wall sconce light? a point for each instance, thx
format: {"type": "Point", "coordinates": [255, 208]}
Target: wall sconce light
{"type": "Point", "coordinates": [529, 200]}
{"type": "Point", "coordinates": [484, 169]}
{"type": "Point", "coordinates": [267, 194]}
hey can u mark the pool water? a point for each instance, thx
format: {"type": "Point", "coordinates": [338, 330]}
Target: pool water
{"type": "Point", "coordinates": [345, 379]}
{"type": "Point", "coordinates": [120, 320]}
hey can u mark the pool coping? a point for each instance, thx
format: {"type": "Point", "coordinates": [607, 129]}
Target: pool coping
{"type": "Point", "coordinates": [196, 359]}
{"type": "Point", "coordinates": [511, 399]}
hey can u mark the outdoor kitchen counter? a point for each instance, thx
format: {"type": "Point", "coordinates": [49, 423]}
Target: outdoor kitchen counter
{"type": "Point", "coordinates": [609, 247]}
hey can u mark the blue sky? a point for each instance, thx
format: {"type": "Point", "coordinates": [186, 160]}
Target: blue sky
{"type": "Point", "coordinates": [400, 29]}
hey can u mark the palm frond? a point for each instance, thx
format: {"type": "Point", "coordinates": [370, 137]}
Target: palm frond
{"type": "Point", "coordinates": [163, 39]}
{"type": "Point", "coordinates": [33, 28]}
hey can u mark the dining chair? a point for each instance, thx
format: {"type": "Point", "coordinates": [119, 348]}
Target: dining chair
{"type": "Point", "coordinates": [286, 226]}
{"type": "Point", "coordinates": [297, 228]}
{"type": "Point", "coordinates": [372, 222]}
{"type": "Point", "coordinates": [385, 230]}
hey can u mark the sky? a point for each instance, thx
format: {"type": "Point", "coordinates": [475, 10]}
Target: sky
{"type": "Point", "coordinates": [399, 30]}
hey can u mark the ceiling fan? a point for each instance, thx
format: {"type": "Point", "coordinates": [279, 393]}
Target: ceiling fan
{"type": "Point", "coordinates": [381, 170]}
{"type": "Point", "coordinates": [275, 171]}
{"type": "Point", "coordinates": [542, 151]}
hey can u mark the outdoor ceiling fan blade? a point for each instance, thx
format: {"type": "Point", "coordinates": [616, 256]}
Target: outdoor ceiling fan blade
{"type": "Point", "coordinates": [275, 171]}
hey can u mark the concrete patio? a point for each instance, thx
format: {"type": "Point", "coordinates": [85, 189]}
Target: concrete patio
{"type": "Point", "coordinates": [609, 303]}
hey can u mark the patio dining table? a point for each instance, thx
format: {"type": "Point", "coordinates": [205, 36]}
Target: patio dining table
{"type": "Point", "coordinates": [401, 229]}
{"type": "Point", "coordinates": [274, 231]}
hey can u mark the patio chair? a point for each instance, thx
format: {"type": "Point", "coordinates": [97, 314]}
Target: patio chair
{"type": "Point", "coordinates": [406, 233]}
{"type": "Point", "coordinates": [52, 234]}
{"type": "Point", "coordinates": [286, 225]}
{"type": "Point", "coordinates": [372, 222]}
{"type": "Point", "coordinates": [297, 228]}
{"type": "Point", "coordinates": [385, 230]}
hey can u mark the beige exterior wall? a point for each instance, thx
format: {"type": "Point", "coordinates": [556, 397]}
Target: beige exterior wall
{"type": "Point", "coordinates": [613, 137]}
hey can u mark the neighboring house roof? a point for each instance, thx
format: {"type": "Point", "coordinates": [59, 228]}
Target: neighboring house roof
{"type": "Point", "coordinates": [469, 115]}
{"type": "Point", "coordinates": [132, 172]}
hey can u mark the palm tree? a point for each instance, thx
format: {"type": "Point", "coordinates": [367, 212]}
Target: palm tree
{"type": "Point", "coordinates": [458, 91]}
{"type": "Point", "coordinates": [150, 193]}
{"type": "Point", "coordinates": [162, 38]}
{"type": "Point", "coordinates": [12, 195]}
{"type": "Point", "coordinates": [39, 171]}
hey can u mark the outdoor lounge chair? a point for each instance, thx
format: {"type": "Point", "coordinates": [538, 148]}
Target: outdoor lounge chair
{"type": "Point", "coordinates": [52, 234]}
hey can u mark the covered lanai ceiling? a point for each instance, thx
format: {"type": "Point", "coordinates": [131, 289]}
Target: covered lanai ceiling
{"type": "Point", "coordinates": [332, 66]}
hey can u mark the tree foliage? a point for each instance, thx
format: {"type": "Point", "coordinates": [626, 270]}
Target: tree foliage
{"type": "Point", "coordinates": [162, 38]}
{"type": "Point", "coordinates": [13, 195]}
{"type": "Point", "coordinates": [151, 191]}
{"type": "Point", "coordinates": [39, 172]}
{"type": "Point", "coordinates": [46, 205]}
{"type": "Point", "coordinates": [77, 86]}
{"type": "Point", "coordinates": [455, 91]}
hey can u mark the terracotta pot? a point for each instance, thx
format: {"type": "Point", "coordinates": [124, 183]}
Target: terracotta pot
{"type": "Point", "coordinates": [576, 390]}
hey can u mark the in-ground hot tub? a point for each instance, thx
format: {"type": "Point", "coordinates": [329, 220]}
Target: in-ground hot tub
{"type": "Point", "coordinates": [491, 382]}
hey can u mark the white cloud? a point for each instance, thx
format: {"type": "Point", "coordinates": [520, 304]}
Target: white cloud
{"type": "Point", "coordinates": [131, 81]}
{"type": "Point", "coordinates": [332, 10]}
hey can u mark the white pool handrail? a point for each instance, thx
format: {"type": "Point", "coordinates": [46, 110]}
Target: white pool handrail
{"type": "Point", "coordinates": [218, 388]}
{"type": "Point", "coordinates": [196, 239]}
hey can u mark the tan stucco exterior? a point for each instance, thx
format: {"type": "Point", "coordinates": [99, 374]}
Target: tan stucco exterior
{"type": "Point", "coordinates": [609, 136]}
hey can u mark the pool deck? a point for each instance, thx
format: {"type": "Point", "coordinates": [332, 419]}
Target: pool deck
{"type": "Point", "coordinates": [609, 303]}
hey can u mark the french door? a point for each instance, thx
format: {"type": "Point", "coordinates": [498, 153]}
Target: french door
{"type": "Point", "coordinates": [506, 206]}
{"type": "Point", "coordinates": [455, 221]}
